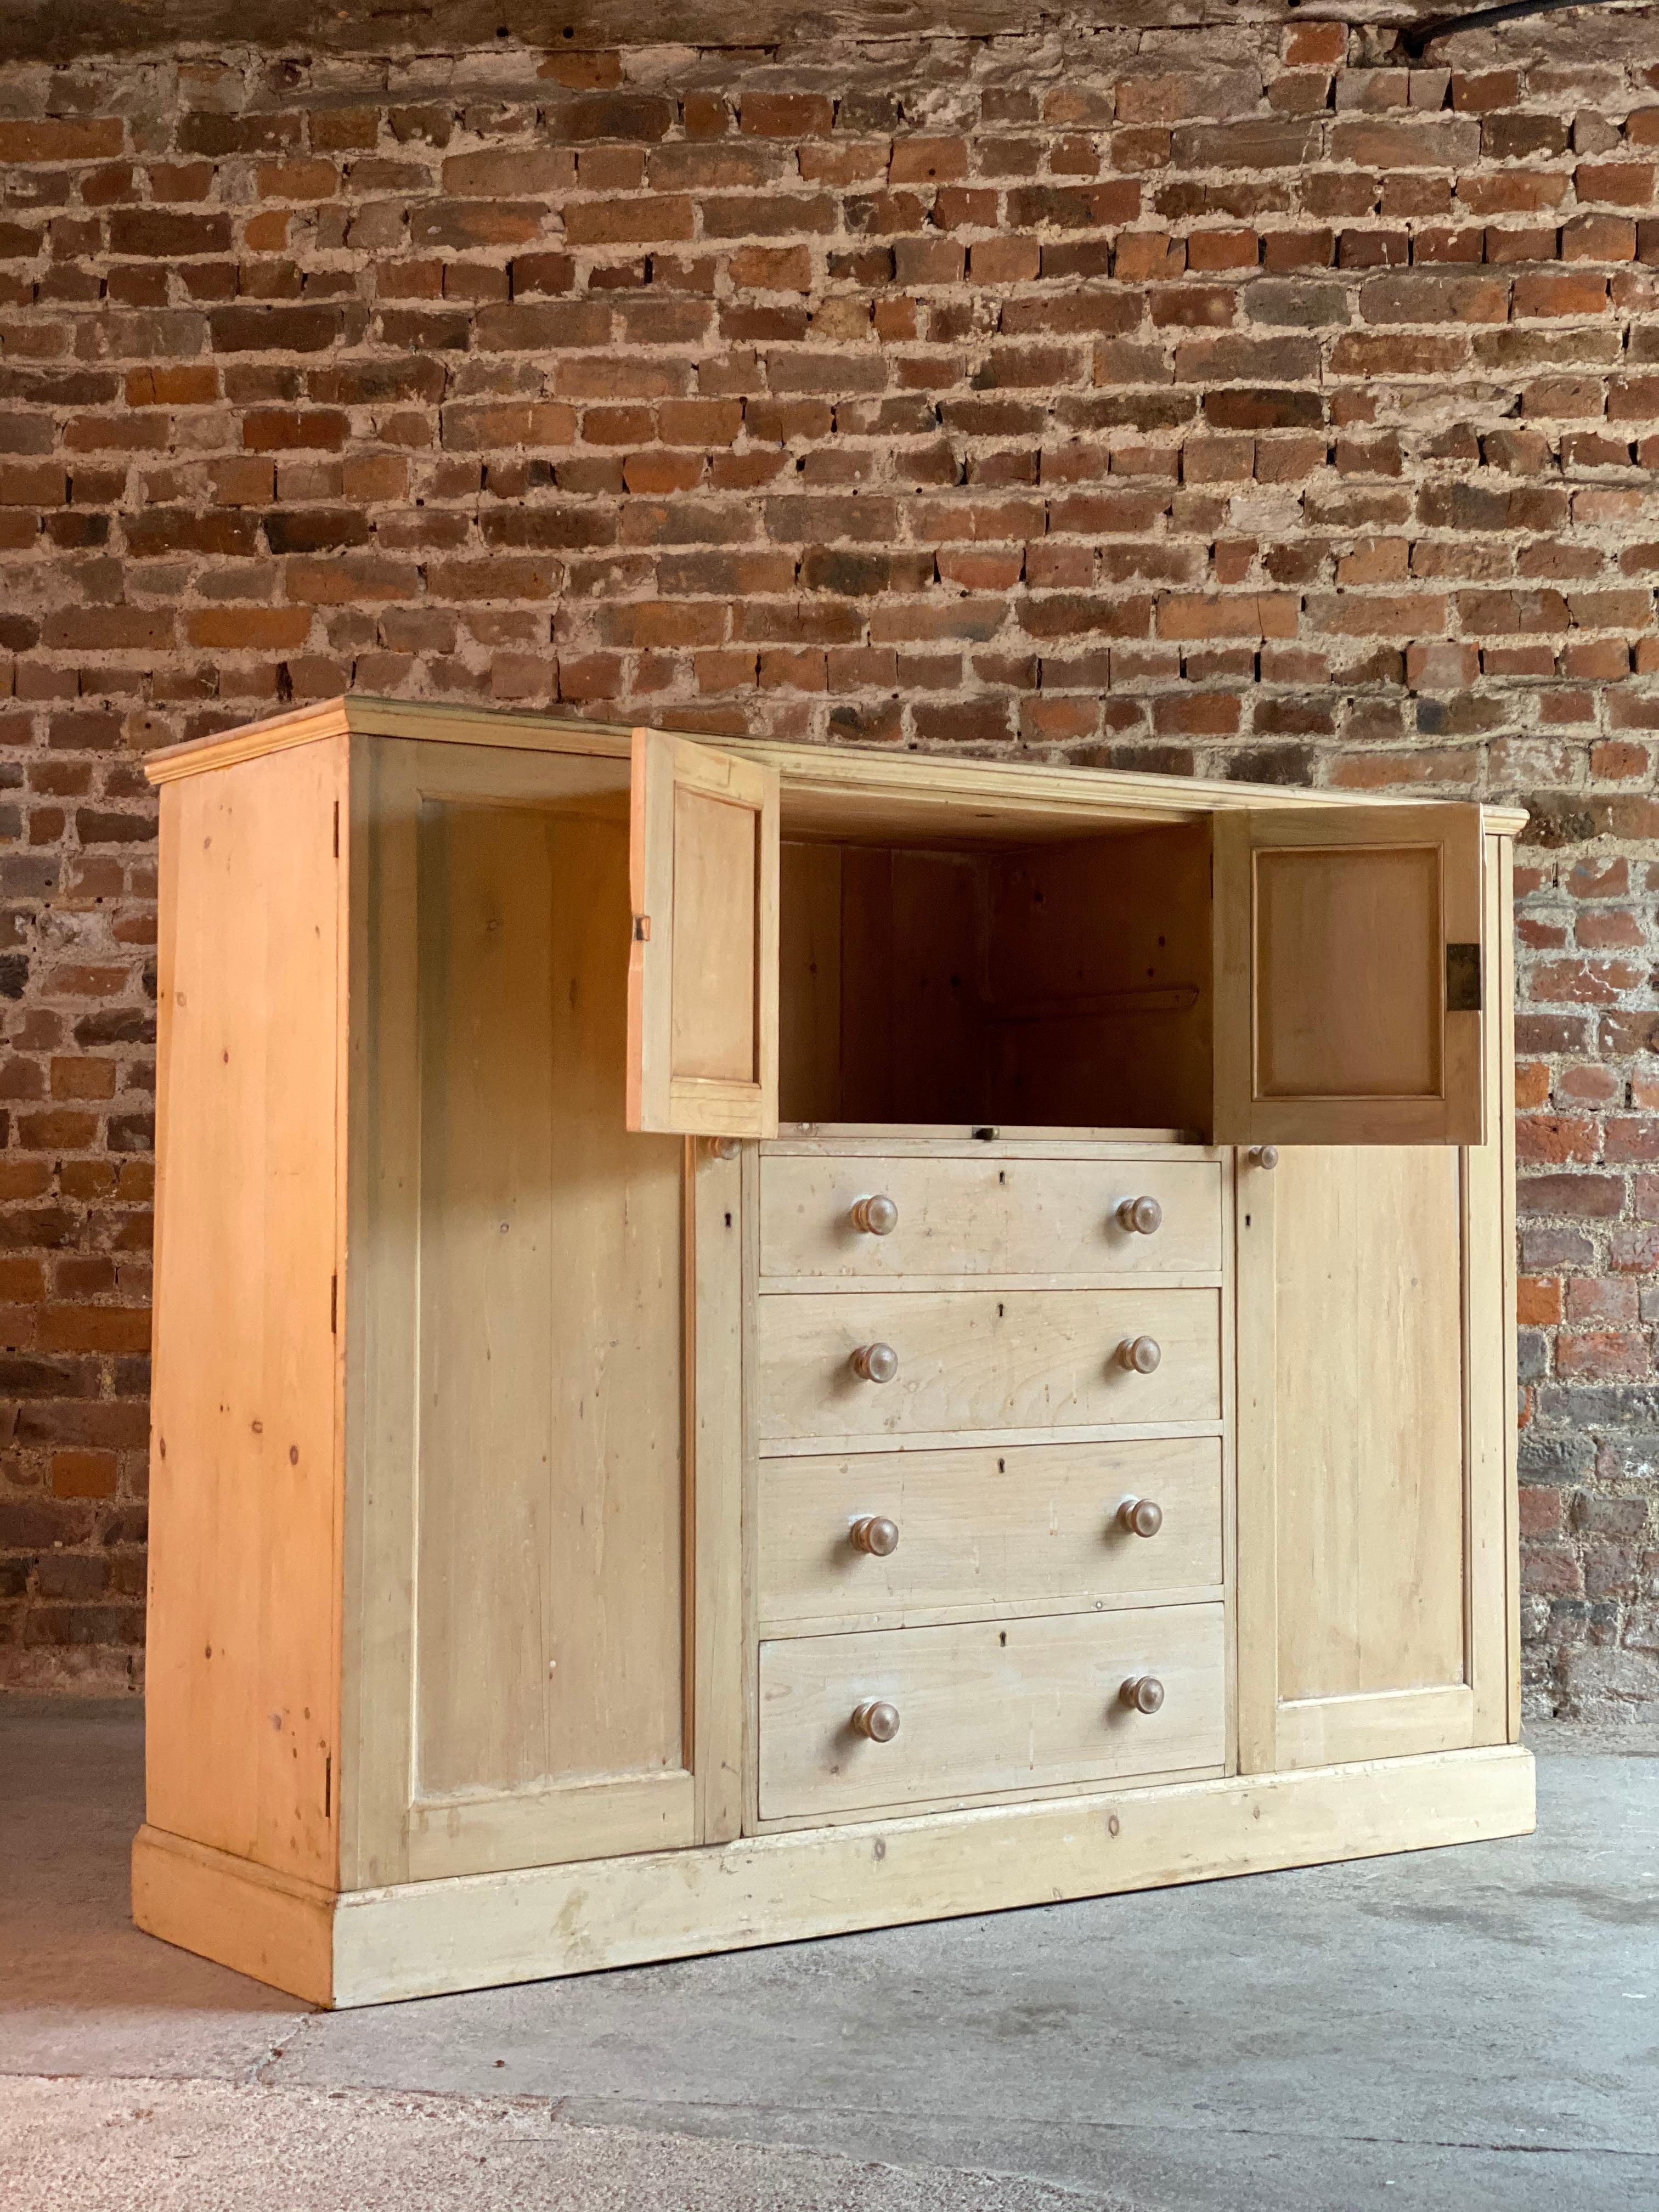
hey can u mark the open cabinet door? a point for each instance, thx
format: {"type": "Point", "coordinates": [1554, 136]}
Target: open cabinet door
{"type": "Point", "coordinates": [1349, 960]}
{"type": "Point", "coordinates": [702, 971]}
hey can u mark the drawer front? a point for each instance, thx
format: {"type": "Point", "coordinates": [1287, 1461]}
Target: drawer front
{"type": "Point", "coordinates": [989, 1706]}
{"type": "Point", "coordinates": [1030, 1524]}
{"type": "Point", "coordinates": [986, 1215]}
{"type": "Point", "coordinates": [978, 1359]}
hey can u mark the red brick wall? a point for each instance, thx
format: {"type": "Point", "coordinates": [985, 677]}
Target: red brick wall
{"type": "Point", "coordinates": [1234, 401]}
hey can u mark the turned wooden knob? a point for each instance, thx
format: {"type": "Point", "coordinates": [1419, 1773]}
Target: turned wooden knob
{"type": "Point", "coordinates": [1141, 1517]}
{"type": "Point", "coordinates": [876, 1216]}
{"type": "Point", "coordinates": [1140, 1354]}
{"type": "Point", "coordinates": [875, 1533]}
{"type": "Point", "coordinates": [875, 1363]}
{"type": "Point", "coordinates": [1264, 1156]}
{"type": "Point", "coordinates": [1143, 1215]}
{"type": "Point", "coordinates": [1142, 1693]}
{"type": "Point", "coordinates": [724, 1148]}
{"type": "Point", "coordinates": [878, 1720]}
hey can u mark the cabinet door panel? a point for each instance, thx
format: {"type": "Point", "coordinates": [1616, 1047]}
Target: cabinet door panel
{"type": "Point", "coordinates": [1348, 970]}
{"type": "Point", "coordinates": [1375, 1319]}
{"type": "Point", "coordinates": [531, 1681]}
{"type": "Point", "coordinates": [1356, 1565]}
{"type": "Point", "coordinates": [548, 1603]}
{"type": "Point", "coordinates": [703, 976]}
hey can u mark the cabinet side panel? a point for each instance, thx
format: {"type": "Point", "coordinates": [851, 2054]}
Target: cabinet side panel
{"type": "Point", "coordinates": [1490, 1322]}
{"type": "Point", "coordinates": [244, 1586]}
{"type": "Point", "coordinates": [1370, 1415]}
{"type": "Point", "coordinates": [548, 1621]}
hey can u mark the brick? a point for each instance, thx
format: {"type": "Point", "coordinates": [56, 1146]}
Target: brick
{"type": "Point", "coordinates": [522, 173]}
{"type": "Point", "coordinates": [280, 330]}
{"type": "Point", "coordinates": [163, 234]}
{"type": "Point", "coordinates": [1312, 45]}
{"type": "Point", "coordinates": [833, 417]}
{"type": "Point", "coordinates": [1430, 296]}
{"type": "Point", "coordinates": [786, 115]}
{"type": "Point", "coordinates": [60, 139]}
{"type": "Point", "coordinates": [643, 116]}
{"type": "Point", "coordinates": [1615, 183]}
{"type": "Point", "coordinates": [261, 629]}
{"type": "Point", "coordinates": [1580, 1197]}
{"type": "Point", "coordinates": [1444, 142]}
{"type": "Point", "coordinates": [1560, 292]}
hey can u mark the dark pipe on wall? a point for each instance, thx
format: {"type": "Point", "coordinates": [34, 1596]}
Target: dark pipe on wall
{"type": "Point", "coordinates": [1415, 38]}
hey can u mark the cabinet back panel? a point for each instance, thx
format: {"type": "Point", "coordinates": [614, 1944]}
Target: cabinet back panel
{"type": "Point", "coordinates": [1048, 985]}
{"type": "Point", "coordinates": [1098, 985]}
{"type": "Point", "coordinates": [550, 1612]}
{"type": "Point", "coordinates": [1371, 1505]}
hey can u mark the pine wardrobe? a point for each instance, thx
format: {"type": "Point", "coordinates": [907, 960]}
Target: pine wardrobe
{"type": "Point", "coordinates": [756, 1340]}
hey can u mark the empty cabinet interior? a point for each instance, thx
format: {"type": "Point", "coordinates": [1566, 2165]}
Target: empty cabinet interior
{"type": "Point", "coordinates": [1064, 982]}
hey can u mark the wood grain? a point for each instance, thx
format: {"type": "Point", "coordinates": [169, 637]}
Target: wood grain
{"type": "Point", "coordinates": [974, 1360]}
{"type": "Point", "coordinates": [1369, 1381]}
{"type": "Point", "coordinates": [1098, 984]}
{"type": "Point", "coordinates": [1354, 1527]}
{"type": "Point", "coordinates": [489, 1071]}
{"type": "Point", "coordinates": [988, 1215]}
{"type": "Point", "coordinates": [863, 788]}
{"type": "Point", "coordinates": [1331, 1021]}
{"type": "Point", "coordinates": [702, 971]}
{"type": "Point", "coordinates": [985, 1528]}
{"type": "Point", "coordinates": [551, 1471]}
{"type": "Point", "coordinates": [987, 1706]}
{"type": "Point", "coordinates": [244, 1631]}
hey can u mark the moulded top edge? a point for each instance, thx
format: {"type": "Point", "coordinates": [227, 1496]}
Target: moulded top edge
{"type": "Point", "coordinates": [938, 777]}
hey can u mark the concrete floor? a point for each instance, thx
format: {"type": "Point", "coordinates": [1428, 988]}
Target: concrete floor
{"type": "Point", "coordinates": [1475, 2027]}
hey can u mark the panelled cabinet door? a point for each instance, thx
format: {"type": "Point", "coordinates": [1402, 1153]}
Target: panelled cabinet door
{"type": "Point", "coordinates": [1348, 973]}
{"type": "Point", "coordinates": [703, 972]}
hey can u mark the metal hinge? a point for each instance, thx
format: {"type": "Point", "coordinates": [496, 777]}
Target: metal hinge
{"type": "Point", "coordinates": [641, 929]}
{"type": "Point", "coordinates": [333, 1306]}
{"type": "Point", "coordinates": [337, 829]}
{"type": "Point", "coordinates": [1462, 979]}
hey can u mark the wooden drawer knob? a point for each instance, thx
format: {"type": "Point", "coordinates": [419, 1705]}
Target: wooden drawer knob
{"type": "Point", "coordinates": [875, 1363]}
{"type": "Point", "coordinates": [1264, 1156]}
{"type": "Point", "coordinates": [1140, 1354]}
{"type": "Point", "coordinates": [875, 1533]}
{"type": "Point", "coordinates": [877, 1719]}
{"type": "Point", "coordinates": [1141, 1517]}
{"type": "Point", "coordinates": [876, 1216]}
{"type": "Point", "coordinates": [1142, 1693]}
{"type": "Point", "coordinates": [1145, 1216]}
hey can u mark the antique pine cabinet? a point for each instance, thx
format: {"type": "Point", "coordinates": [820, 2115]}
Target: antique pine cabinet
{"type": "Point", "coordinates": [753, 1341]}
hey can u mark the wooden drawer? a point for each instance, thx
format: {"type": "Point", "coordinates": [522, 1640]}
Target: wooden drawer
{"type": "Point", "coordinates": [984, 1215]}
{"type": "Point", "coordinates": [1021, 1360]}
{"type": "Point", "coordinates": [1029, 1524]}
{"type": "Point", "coordinates": [988, 1707]}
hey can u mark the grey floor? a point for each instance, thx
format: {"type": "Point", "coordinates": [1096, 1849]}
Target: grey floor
{"type": "Point", "coordinates": [1459, 2028]}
